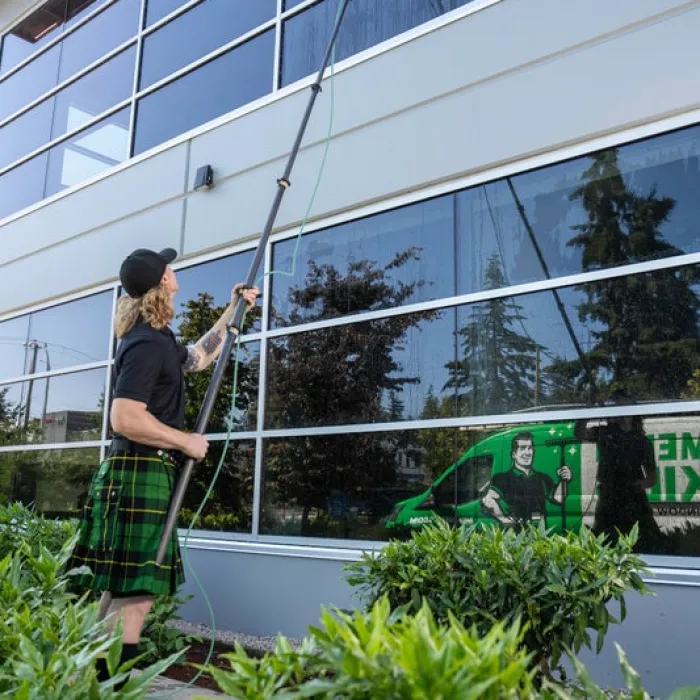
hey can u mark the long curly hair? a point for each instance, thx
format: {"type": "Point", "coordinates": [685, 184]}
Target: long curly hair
{"type": "Point", "coordinates": [155, 307]}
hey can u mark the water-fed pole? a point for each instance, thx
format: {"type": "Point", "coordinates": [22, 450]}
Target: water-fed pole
{"type": "Point", "coordinates": [283, 183]}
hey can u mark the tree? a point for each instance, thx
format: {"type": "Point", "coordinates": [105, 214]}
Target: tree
{"type": "Point", "coordinates": [644, 326]}
{"type": "Point", "coordinates": [343, 374]}
{"type": "Point", "coordinates": [233, 493]}
{"type": "Point", "coordinates": [497, 372]}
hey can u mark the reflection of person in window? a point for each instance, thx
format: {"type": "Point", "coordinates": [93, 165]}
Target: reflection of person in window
{"type": "Point", "coordinates": [521, 494]}
{"type": "Point", "coordinates": [626, 468]}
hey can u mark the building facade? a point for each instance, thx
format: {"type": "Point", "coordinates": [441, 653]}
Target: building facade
{"type": "Point", "coordinates": [496, 270]}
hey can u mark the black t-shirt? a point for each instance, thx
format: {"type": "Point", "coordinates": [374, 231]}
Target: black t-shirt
{"type": "Point", "coordinates": [148, 368]}
{"type": "Point", "coordinates": [524, 496]}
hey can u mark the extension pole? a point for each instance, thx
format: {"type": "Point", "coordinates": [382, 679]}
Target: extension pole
{"type": "Point", "coordinates": [283, 184]}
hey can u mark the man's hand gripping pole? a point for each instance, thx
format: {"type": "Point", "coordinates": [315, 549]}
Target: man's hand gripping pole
{"type": "Point", "coordinates": [283, 184]}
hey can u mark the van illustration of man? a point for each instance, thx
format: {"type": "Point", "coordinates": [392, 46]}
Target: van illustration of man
{"type": "Point", "coordinates": [520, 495]}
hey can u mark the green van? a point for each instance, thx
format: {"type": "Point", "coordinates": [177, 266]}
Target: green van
{"type": "Point", "coordinates": [543, 471]}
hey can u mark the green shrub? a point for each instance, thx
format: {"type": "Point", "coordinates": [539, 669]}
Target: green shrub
{"type": "Point", "coordinates": [558, 585]}
{"type": "Point", "coordinates": [159, 639]}
{"type": "Point", "coordinates": [50, 638]}
{"type": "Point", "coordinates": [402, 656]}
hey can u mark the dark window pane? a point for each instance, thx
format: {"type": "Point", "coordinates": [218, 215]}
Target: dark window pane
{"type": "Point", "coordinates": [620, 471]}
{"type": "Point", "coordinates": [23, 186]}
{"type": "Point", "coordinates": [199, 31]}
{"type": "Point", "coordinates": [88, 153]}
{"type": "Point", "coordinates": [407, 253]}
{"type": "Point", "coordinates": [366, 23]}
{"type": "Point", "coordinates": [55, 328]}
{"type": "Point", "coordinates": [41, 27]}
{"type": "Point", "coordinates": [205, 290]}
{"type": "Point", "coordinates": [230, 505]}
{"type": "Point", "coordinates": [55, 482]}
{"type": "Point", "coordinates": [64, 408]}
{"type": "Point", "coordinates": [637, 334]}
{"type": "Point", "coordinates": [31, 82]}
{"type": "Point", "coordinates": [198, 97]}
{"type": "Point", "coordinates": [621, 205]}
{"type": "Point", "coordinates": [289, 4]}
{"type": "Point", "coordinates": [347, 486]}
{"type": "Point", "coordinates": [157, 9]}
{"type": "Point", "coordinates": [26, 133]}
{"type": "Point", "coordinates": [71, 108]}
{"type": "Point", "coordinates": [13, 354]}
{"type": "Point", "coordinates": [102, 34]}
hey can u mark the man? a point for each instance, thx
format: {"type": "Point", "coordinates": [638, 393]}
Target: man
{"type": "Point", "coordinates": [126, 508]}
{"type": "Point", "coordinates": [522, 491]}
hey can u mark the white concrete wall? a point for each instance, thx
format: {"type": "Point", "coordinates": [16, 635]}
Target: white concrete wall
{"type": "Point", "coordinates": [515, 79]}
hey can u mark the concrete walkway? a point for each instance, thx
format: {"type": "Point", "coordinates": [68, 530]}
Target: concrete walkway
{"type": "Point", "coordinates": [167, 689]}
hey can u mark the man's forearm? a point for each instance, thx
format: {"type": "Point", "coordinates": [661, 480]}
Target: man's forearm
{"type": "Point", "coordinates": [207, 348]}
{"type": "Point", "coordinates": [146, 429]}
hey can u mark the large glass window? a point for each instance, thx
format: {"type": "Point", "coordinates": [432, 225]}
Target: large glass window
{"type": "Point", "coordinates": [246, 73]}
{"type": "Point", "coordinates": [157, 9]}
{"type": "Point", "coordinates": [577, 345]}
{"type": "Point", "coordinates": [78, 50]}
{"type": "Point", "coordinates": [55, 482]}
{"type": "Point", "coordinates": [69, 109]}
{"type": "Point", "coordinates": [366, 23]}
{"type": "Point", "coordinates": [61, 408]}
{"type": "Point", "coordinates": [199, 31]}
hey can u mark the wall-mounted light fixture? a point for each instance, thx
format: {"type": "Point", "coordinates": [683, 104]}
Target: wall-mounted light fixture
{"type": "Point", "coordinates": [204, 179]}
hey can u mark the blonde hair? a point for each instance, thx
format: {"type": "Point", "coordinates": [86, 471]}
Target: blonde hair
{"type": "Point", "coordinates": [155, 307]}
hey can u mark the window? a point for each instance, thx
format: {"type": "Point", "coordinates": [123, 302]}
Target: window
{"type": "Point", "coordinates": [245, 74]}
{"type": "Point", "coordinates": [366, 23]}
{"type": "Point", "coordinates": [199, 31]}
{"type": "Point", "coordinates": [55, 482]}
{"type": "Point", "coordinates": [157, 9]}
{"type": "Point", "coordinates": [467, 483]}
{"type": "Point", "coordinates": [70, 108]}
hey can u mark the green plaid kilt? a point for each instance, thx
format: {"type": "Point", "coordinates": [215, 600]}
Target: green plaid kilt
{"type": "Point", "coordinates": [121, 526]}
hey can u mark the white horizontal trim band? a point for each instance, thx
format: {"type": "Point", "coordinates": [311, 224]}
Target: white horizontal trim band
{"type": "Point", "coordinates": [545, 285]}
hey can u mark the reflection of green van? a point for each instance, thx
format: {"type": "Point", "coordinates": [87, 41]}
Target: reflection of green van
{"type": "Point", "coordinates": [487, 487]}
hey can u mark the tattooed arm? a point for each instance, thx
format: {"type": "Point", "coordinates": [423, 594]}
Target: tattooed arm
{"type": "Point", "coordinates": [205, 351]}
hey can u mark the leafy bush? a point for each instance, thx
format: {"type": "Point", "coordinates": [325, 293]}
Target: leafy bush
{"type": "Point", "coordinates": [50, 638]}
{"type": "Point", "coordinates": [400, 656]}
{"type": "Point", "coordinates": [21, 525]}
{"type": "Point", "coordinates": [159, 639]}
{"type": "Point", "coordinates": [558, 585]}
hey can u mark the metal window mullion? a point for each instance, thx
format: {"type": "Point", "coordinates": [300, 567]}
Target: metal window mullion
{"type": "Point", "coordinates": [544, 285]}
{"type": "Point", "coordinates": [262, 389]}
{"type": "Point", "coordinates": [41, 447]}
{"type": "Point", "coordinates": [277, 60]}
{"type": "Point", "coordinates": [58, 39]}
{"type": "Point", "coordinates": [108, 377]}
{"type": "Point", "coordinates": [135, 84]}
{"type": "Point", "coordinates": [501, 420]}
{"type": "Point", "coordinates": [169, 18]}
{"type": "Point", "coordinates": [73, 369]}
{"type": "Point", "coordinates": [69, 81]}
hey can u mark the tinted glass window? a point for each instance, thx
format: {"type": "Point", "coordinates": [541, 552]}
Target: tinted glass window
{"type": "Point", "coordinates": [196, 98]}
{"type": "Point", "coordinates": [512, 354]}
{"type": "Point", "coordinates": [408, 253]}
{"type": "Point", "coordinates": [366, 23]}
{"type": "Point", "coordinates": [89, 153]}
{"type": "Point", "coordinates": [289, 4]}
{"type": "Point", "coordinates": [13, 354]}
{"type": "Point", "coordinates": [64, 408]}
{"type": "Point", "coordinates": [26, 133]}
{"type": "Point", "coordinates": [205, 291]}
{"type": "Point", "coordinates": [230, 505]}
{"type": "Point", "coordinates": [157, 9]}
{"type": "Point", "coordinates": [55, 482]}
{"type": "Point", "coordinates": [621, 205]}
{"type": "Point", "coordinates": [348, 485]}
{"type": "Point", "coordinates": [31, 82]}
{"type": "Point", "coordinates": [41, 27]}
{"type": "Point", "coordinates": [105, 32]}
{"type": "Point", "coordinates": [199, 31]}
{"type": "Point", "coordinates": [23, 186]}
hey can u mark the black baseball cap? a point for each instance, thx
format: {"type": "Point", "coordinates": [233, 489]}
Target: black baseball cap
{"type": "Point", "coordinates": [143, 270]}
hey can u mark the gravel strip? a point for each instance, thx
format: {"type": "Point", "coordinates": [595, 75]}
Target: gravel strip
{"type": "Point", "coordinates": [247, 641]}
